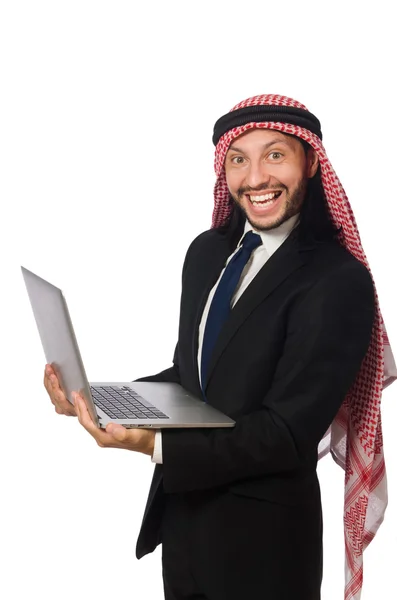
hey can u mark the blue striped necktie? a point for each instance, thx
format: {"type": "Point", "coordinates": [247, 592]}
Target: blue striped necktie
{"type": "Point", "coordinates": [220, 305]}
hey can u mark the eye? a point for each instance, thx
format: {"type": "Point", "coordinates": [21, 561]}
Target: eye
{"type": "Point", "coordinates": [275, 155]}
{"type": "Point", "coordinates": [237, 160]}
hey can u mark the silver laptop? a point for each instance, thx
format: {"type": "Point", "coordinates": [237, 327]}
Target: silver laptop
{"type": "Point", "coordinates": [136, 404]}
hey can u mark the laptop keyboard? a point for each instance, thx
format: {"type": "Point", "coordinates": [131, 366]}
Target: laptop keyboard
{"type": "Point", "coordinates": [124, 403]}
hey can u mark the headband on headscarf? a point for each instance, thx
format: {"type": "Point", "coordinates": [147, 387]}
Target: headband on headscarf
{"type": "Point", "coordinates": [261, 113]}
{"type": "Point", "coordinates": [355, 436]}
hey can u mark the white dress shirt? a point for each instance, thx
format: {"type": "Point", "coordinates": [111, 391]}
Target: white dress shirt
{"type": "Point", "coordinates": [271, 241]}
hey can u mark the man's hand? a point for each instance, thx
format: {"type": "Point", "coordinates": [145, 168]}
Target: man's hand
{"type": "Point", "coordinates": [57, 397]}
{"type": "Point", "coordinates": [115, 435]}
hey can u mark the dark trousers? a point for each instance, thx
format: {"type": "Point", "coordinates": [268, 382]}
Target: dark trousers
{"type": "Point", "coordinates": [223, 546]}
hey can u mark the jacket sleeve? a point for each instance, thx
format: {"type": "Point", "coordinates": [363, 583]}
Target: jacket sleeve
{"type": "Point", "coordinates": [328, 334]}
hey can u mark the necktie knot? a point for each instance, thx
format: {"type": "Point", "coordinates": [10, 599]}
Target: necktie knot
{"type": "Point", "coordinates": [251, 241]}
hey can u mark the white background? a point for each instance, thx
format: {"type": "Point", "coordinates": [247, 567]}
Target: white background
{"type": "Point", "coordinates": [106, 113]}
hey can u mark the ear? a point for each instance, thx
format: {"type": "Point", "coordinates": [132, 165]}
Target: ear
{"type": "Point", "coordinates": [312, 163]}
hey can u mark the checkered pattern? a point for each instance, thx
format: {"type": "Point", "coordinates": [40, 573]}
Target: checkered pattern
{"type": "Point", "coordinates": [355, 437]}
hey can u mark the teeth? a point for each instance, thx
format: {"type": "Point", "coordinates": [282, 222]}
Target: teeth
{"type": "Point", "coordinates": [264, 198]}
{"type": "Point", "coordinates": [258, 200]}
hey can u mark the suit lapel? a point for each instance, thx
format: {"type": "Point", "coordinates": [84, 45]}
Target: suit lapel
{"type": "Point", "coordinates": [281, 265]}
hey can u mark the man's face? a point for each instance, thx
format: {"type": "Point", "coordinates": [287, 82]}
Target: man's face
{"type": "Point", "coordinates": [267, 173]}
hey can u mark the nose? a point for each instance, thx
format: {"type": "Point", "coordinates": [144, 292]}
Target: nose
{"type": "Point", "coordinates": [258, 175]}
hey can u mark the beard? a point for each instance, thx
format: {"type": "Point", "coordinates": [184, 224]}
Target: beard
{"type": "Point", "coordinates": [292, 206]}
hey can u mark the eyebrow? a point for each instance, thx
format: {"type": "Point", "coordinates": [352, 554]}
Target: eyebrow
{"type": "Point", "coordinates": [265, 146]}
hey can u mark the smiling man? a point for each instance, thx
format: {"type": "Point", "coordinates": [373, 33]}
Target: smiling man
{"type": "Point", "coordinates": [267, 174]}
{"type": "Point", "coordinates": [280, 329]}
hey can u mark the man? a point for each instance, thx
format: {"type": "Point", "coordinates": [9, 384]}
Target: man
{"type": "Point", "coordinates": [280, 329]}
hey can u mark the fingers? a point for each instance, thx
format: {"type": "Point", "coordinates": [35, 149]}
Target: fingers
{"type": "Point", "coordinates": [57, 397]}
{"type": "Point", "coordinates": [83, 415]}
{"type": "Point", "coordinates": [102, 438]}
{"type": "Point", "coordinates": [47, 372]}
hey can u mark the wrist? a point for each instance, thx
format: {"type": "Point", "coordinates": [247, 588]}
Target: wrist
{"type": "Point", "coordinates": [149, 445]}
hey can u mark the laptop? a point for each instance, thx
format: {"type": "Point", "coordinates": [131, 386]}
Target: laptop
{"type": "Point", "coordinates": [137, 404]}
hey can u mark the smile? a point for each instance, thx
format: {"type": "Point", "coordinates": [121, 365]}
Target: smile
{"type": "Point", "coordinates": [264, 199]}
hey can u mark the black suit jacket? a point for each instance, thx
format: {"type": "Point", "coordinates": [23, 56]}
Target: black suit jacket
{"type": "Point", "coordinates": [281, 367]}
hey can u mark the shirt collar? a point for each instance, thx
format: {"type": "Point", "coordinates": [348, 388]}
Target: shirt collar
{"type": "Point", "coordinates": [273, 239]}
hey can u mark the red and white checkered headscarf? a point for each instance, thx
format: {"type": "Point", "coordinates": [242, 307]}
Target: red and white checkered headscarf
{"type": "Point", "coordinates": [355, 436]}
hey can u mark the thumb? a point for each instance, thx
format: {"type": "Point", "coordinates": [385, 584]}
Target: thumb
{"type": "Point", "coordinates": [117, 431]}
